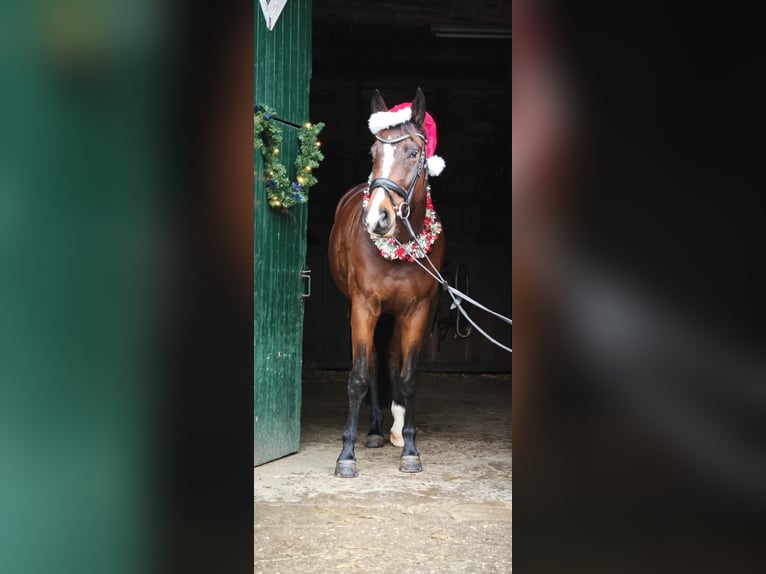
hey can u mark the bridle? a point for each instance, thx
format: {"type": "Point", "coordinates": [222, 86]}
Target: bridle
{"type": "Point", "coordinates": [389, 185]}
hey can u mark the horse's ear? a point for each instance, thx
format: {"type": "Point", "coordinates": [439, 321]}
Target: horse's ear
{"type": "Point", "coordinates": [419, 108]}
{"type": "Point", "coordinates": [377, 104]}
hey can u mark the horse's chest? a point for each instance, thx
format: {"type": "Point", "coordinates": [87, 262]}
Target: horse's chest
{"type": "Point", "coordinates": [395, 291]}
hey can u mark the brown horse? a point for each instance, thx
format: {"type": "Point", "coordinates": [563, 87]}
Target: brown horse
{"type": "Point", "coordinates": [371, 260]}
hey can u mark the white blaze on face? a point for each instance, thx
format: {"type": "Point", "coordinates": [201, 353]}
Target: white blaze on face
{"type": "Point", "coordinates": [388, 159]}
{"type": "Point", "coordinates": [378, 195]}
{"type": "Point", "coordinates": [396, 429]}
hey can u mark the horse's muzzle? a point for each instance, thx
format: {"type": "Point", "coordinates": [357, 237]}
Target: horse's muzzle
{"type": "Point", "coordinates": [385, 224]}
{"type": "Point", "coordinates": [380, 222]}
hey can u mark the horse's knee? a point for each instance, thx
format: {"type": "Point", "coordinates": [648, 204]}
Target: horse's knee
{"type": "Point", "coordinates": [357, 387]}
{"type": "Point", "coordinates": [407, 386]}
{"type": "Point", "coordinates": [407, 378]}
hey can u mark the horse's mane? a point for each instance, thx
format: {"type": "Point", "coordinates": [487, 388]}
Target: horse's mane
{"type": "Point", "coordinates": [359, 188]}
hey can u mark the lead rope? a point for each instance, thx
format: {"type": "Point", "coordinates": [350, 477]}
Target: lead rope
{"type": "Point", "coordinates": [458, 333]}
{"type": "Point", "coordinates": [457, 296]}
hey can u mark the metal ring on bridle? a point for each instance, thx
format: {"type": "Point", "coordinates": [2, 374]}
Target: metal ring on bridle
{"type": "Point", "coordinates": [400, 210]}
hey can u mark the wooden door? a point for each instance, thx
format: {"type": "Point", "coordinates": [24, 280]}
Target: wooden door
{"type": "Point", "coordinates": [282, 77]}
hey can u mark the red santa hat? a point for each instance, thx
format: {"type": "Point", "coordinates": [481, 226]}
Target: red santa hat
{"type": "Point", "coordinates": [401, 113]}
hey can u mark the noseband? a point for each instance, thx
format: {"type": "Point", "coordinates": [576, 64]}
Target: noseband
{"type": "Point", "coordinates": [389, 185]}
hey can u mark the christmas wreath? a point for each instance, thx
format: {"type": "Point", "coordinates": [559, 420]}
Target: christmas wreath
{"type": "Point", "coordinates": [283, 192]}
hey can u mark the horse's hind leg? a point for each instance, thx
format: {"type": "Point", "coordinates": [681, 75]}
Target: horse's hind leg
{"type": "Point", "coordinates": [374, 435]}
{"type": "Point", "coordinates": [379, 384]}
{"type": "Point", "coordinates": [397, 400]}
{"type": "Point", "coordinates": [363, 370]}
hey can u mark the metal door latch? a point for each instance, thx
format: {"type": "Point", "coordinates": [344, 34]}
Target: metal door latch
{"type": "Point", "coordinates": [306, 274]}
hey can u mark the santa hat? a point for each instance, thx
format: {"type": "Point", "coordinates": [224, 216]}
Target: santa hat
{"type": "Point", "coordinates": [401, 113]}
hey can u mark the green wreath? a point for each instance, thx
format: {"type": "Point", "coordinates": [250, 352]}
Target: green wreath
{"type": "Point", "coordinates": [282, 192]}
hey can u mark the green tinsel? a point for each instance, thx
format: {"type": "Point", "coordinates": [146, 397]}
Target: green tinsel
{"type": "Point", "coordinates": [281, 191]}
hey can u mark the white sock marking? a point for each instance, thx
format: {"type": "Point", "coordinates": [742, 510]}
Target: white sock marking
{"type": "Point", "coordinates": [398, 412]}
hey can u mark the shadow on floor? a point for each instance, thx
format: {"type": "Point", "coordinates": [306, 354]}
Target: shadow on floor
{"type": "Point", "coordinates": [453, 517]}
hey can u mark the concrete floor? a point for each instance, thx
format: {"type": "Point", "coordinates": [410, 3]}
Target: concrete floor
{"type": "Point", "coordinates": [454, 517]}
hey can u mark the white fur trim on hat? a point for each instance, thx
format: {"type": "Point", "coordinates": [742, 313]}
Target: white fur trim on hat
{"type": "Point", "coordinates": [435, 165]}
{"type": "Point", "coordinates": [382, 120]}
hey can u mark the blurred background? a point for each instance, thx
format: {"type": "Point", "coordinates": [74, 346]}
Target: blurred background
{"type": "Point", "coordinates": [125, 305]}
{"type": "Point", "coordinates": [638, 381]}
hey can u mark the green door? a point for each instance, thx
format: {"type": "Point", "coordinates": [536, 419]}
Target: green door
{"type": "Point", "coordinates": [282, 76]}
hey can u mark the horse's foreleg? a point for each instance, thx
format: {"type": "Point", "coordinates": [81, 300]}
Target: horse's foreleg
{"type": "Point", "coordinates": [358, 382]}
{"type": "Point", "coordinates": [362, 371]}
{"type": "Point", "coordinates": [413, 331]}
{"type": "Point", "coordinates": [410, 458]}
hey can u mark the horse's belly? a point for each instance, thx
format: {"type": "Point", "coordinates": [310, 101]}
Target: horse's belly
{"type": "Point", "coordinates": [403, 304]}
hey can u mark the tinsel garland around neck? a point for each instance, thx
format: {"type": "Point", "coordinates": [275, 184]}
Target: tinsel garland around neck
{"type": "Point", "coordinates": [391, 250]}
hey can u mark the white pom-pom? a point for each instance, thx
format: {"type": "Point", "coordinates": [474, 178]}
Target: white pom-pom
{"type": "Point", "coordinates": [435, 165]}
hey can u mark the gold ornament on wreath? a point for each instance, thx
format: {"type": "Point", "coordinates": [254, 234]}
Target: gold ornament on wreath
{"type": "Point", "coordinates": [281, 191]}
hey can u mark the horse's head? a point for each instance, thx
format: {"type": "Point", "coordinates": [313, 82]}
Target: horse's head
{"type": "Point", "coordinates": [398, 162]}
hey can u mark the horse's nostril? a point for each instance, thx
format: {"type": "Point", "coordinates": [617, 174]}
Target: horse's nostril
{"type": "Point", "coordinates": [384, 224]}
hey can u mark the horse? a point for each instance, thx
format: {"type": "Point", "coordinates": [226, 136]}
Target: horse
{"type": "Point", "coordinates": [371, 257]}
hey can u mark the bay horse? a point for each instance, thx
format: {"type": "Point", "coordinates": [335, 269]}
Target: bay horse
{"type": "Point", "coordinates": [371, 256]}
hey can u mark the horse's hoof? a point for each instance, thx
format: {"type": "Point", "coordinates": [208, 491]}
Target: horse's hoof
{"type": "Point", "coordinates": [410, 463]}
{"type": "Point", "coordinates": [346, 469]}
{"type": "Point", "coordinates": [396, 440]}
{"type": "Point", "coordinates": [375, 441]}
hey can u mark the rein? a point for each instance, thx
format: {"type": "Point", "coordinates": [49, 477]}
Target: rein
{"type": "Point", "coordinates": [457, 296]}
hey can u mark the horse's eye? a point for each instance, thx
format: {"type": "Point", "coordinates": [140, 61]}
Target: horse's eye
{"type": "Point", "coordinates": [413, 154]}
